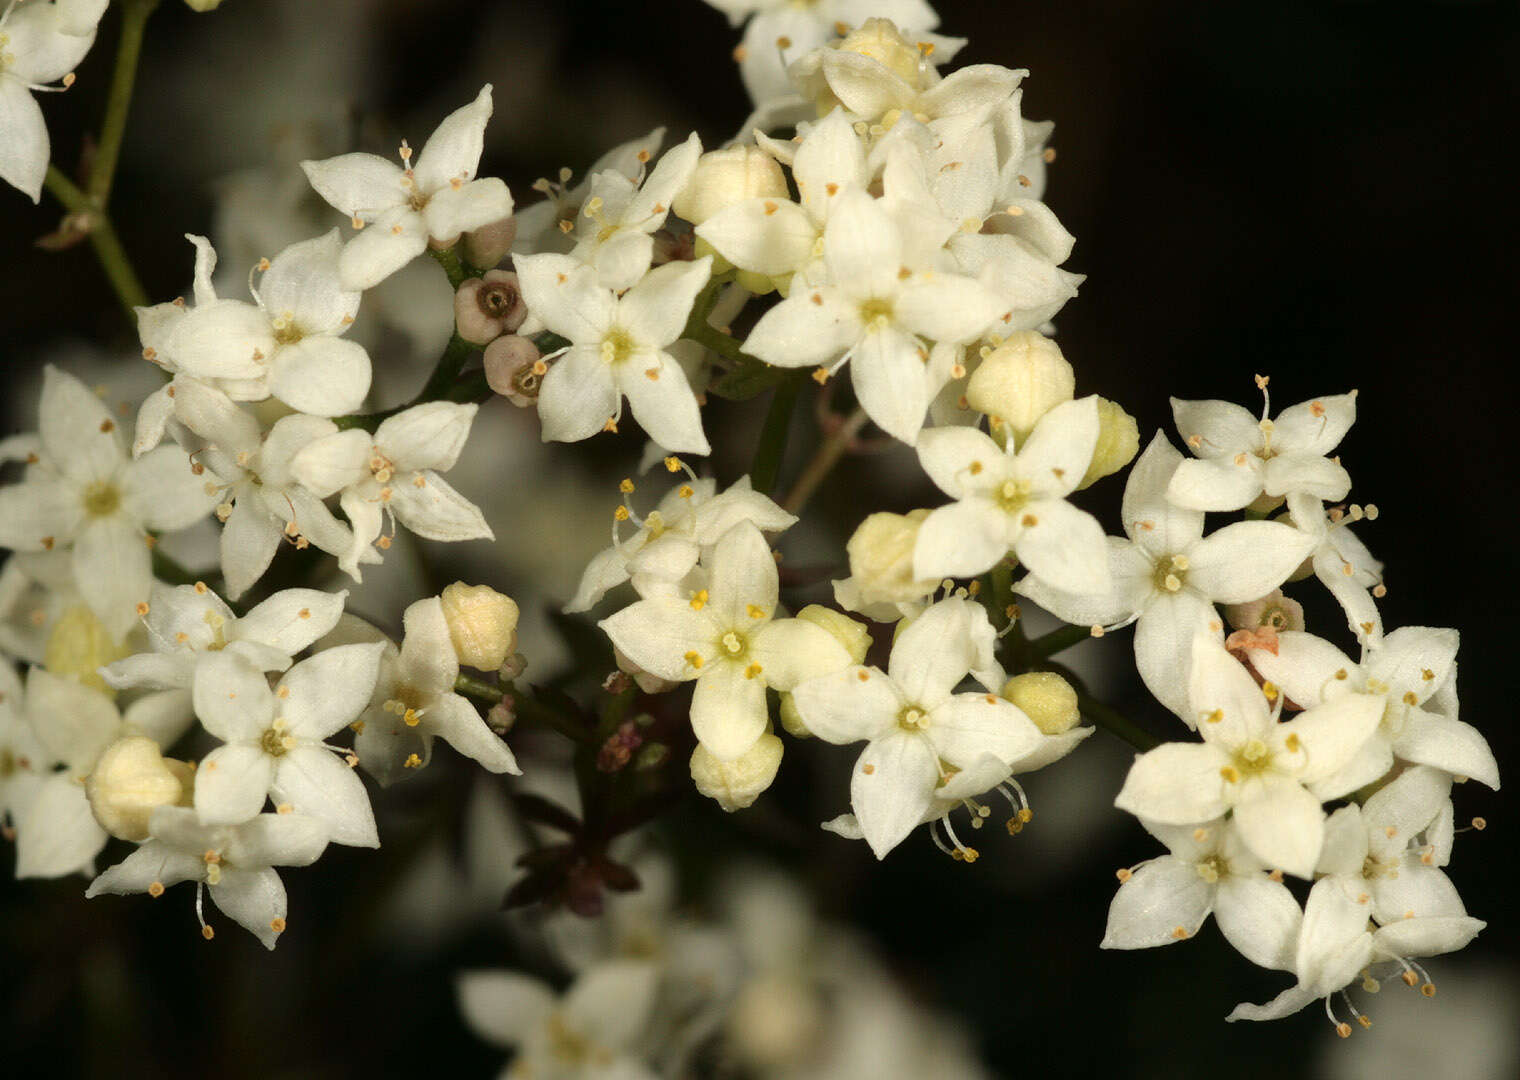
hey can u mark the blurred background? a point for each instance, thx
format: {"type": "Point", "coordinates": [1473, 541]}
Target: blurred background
{"type": "Point", "coordinates": [1313, 191]}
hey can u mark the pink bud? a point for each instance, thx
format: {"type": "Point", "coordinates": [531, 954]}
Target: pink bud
{"type": "Point", "coordinates": [514, 369]}
{"type": "Point", "coordinates": [485, 308]}
{"type": "Point", "coordinates": [487, 245]}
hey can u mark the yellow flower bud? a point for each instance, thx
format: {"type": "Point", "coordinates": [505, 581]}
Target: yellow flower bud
{"type": "Point", "coordinates": [880, 40]}
{"type": "Point", "coordinates": [727, 176]}
{"type": "Point", "coordinates": [78, 645]}
{"type": "Point", "coordinates": [1045, 698]}
{"type": "Point", "coordinates": [738, 783]}
{"type": "Point", "coordinates": [881, 558]}
{"type": "Point", "coordinates": [1020, 381]}
{"type": "Point", "coordinates": [1118, 443]}
{"type": "Point", "coordinates": [851, 633]}
{"type": "Point", "coordinates": [482, 624]}
{"type": "Point", "coordinates": [791, 719]}
{"type": "Point", "coordinates": [130, 780]}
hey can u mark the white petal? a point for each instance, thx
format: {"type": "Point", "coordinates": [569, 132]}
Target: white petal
{"type": "Point", "coordinates": [436, 511]}
{"type": "Point", "coordinates": [1060, 448]}
{"type": "Point", "coordinates": [225, 339]}
{"type": "Point", "coordinates": [57, 834]}
{"type": "Point", "coordinates": [452, 211]}
{"type": "Point", "coordinates": [1427, 937]}
{"type": "Point", "coordinates": [1315, 427]}
{"type": "Point", "coordinates": [160, 491]}
{"type": "Point", "coordinates": [1224, 702]}
{"type": "Point", "coordinates": [114, 571]}
{"type": "Point", "coordinates": [1063, 546]}
{"type": "Point", "coordinates": [315, 782]}
{"type": "Point", "coordinates": [947, 307]}
{"type": "Point", "coordinates": [455, 720]}
{"type": "Point", "coordinates": [1452, 745]}
{"type": "Point", "coordinates": [809, 328]}
{"type": "Point", "coordinates": [1309, 473]}
{"type": "Point", "coordinates": [1149, 518]}
{"type": "Point", "coordinates": [73, 722]}
{"type": "Point", "coordinates": [162, 717]}
{"type": "Point", "coordinates": [1333, 921]}
{"type": "Point", "coordinates": [564, 293]}
{"type": "Point", "coordinates": [327, 691]}
{"type": "Point", "coordinates": [426, 436]}
{"type": "Point", "coordinates": [763, 236]}
{"type": "Point", "coordinates": [793, 650]}
{"type": "Point", "coordinates": [80, 437]}
{"type": "Point", "coordinates": [1308, 668]}
{"type": "Point", "coordinates": [153, 862]}
{"type": "Point", "coordinates": [657, 634]}
{"type": "Point", "coordinates": [1421, 890]}
{"type": "Point", "coordinates": [970, 725]}
{"type": "Point", "coordinates": [892, 382]}
{"type": "Point", "coordinates": [1161, 897]}
{"type": "Point", "coordinates": [254, 899]}
{"type": "Point", "coordinates": [333, 462]}
{"type": "Point", "coordinates": [394, 239]}
{"type": "Point", "coordinates": [1284, 827]}
{"type": "Point", "coordinates": [1260, 918]}
{"type": "Point", "coordinates": [1213, 429]}
{"type": "Point", "coordinates": [857, 703]}
{"type": "Point", "coordinates": [936, 651]}
{"type": "Point", "coordinates": [862, 246]}
{"type": "Point", "coordinates": [39, 514]}
{"type": "Point", "coordinates": [1176, 784]}
{"type": "Point", "coordinates": [1216, 484]}
{"type": "Point", "coordinates": [276, 840]}
{"type": "Point", "coordinates": [1164, 645]}
{"type": "Point", "coordinates": [321, 375]}
{"type": "Point", "coordinates": [728, 710]}
{"type": "Point", "coordinates": [612, 1001]}
{"type": "Point", "coordinates": [655, 310]}
{"type": "Point", "coordinates": [504, 1007]}
{"type": "Point", "coordinates": [292, 619]}
{"type": "Point", "coordinates": [248, 544]}
{"type": "Point", "coordinates": [453, 150]}
{"type": "Point", "coordinates": [232, 698]}
{"type": "Point", "coordinates": [963, 539]}
{"type": "Point", "coordinates": [1331, 735]}
{"type": "Point", "coordinates": [360, 185]}
{"type": "Point", "coordinates": [231, 783]}
{"type": "Point", "coordinates": [1408, 653]}
{"type": "Point", "coordinates": [578, 396]}
{"type": "Point", "coordinates": [302, 284]}
{"type": "Point", "coordinates": [662, 401]}
{"type": "Point", "coordinates": [24, 146]}
{"type": "Point", "coordinates": [1246, 560]}
{"type": "Point", "coordinates": [892, 788]}
{"type": "Point", "coordinates": [952, 456]}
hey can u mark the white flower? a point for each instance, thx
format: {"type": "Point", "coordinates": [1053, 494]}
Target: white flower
{"type": "Point", "coordinates": [1241, 457]}
{"type": "Point", "coordinates": [402, 208]}
{"type": "Point", "coordinates": [670, 539]}
{"type": "Point", "coordinates": [538, 225]}
{"type": "Point", "coordinates": [286, 345]}
{"type": "Point", "coordinates": [873, 92]}
{"type": "Point", "coordinates": [35, 591]}
{"type": "Point", "coordinates": [1209, 871]}
{"type": "Point", "coordinates": [1166, 577]}
{"type": "Point", "coordinates": [38, 46]}
{"type": "Point", "coordinates": [920, 734]}
{"type": "Point", "coordinates": [234, 863]}
{"type": "Point", "coordinates": [1335, 946]}
{"type": "Point", "coordinates": [878, 312]}
{"type": "Point", "coordinates": [1342, 562]}
{"type": "Point", "coordinates": [1413, 676]}
{"type": "Point", "coordinates": [189, 624]}
{"type": "Point", "coordinates": [23, 760]}
{"type": "Point", "coordinates": [590, 1033]}
{"type": "Point", "coordinates": [414, 701]}
{"type": "Point", "coordinates": [619, 346]}
{"type": "Point", "coordinates": [273, 740]}
{"type": "Point", "coordinates": [57, 834]}
{"type": "Point", "coordinates": [616, 226]}
{"type": "Point", "coordinates": [395, 470]}
{"type": "Point", "coordinates": [1014, 500]}
{"type": "Point", "coordinates": [86, 492]}
{"type": "Point", "coordinates": [727, 638]}
{"type": "Point", "coordinates": [1273, 775]}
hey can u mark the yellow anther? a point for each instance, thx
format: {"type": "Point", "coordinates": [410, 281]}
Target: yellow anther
{"type": "Point", "coordinates": [156, 889]}
{"type": "Point", "coordinates": [207, 933]}
{"type": "Point", "coordinates": [699, 600]}
{"type": "Point", "coordinates": [672, 464]}
{"type": "Point", "coordinates": [1269, 689]}
{"type": "Point", "coordinates": [1230, 774]}
{"type": "Point", "coordinates": [1214, 717]}
{"type": "Point", "coordinates": [412, 762]}
{"type": "Point", "coordinates": [620, 514]}
{"type": "Point", "coordinates": [754, 611]}
{"type": "Point", "coordinates": [626, 486]}
{"type": "Point", "coordinates": [693, 658]}
{"type": "Point", "coordinates": [686, 491]}
{"type": "Point", "coordinates": [751, 671]}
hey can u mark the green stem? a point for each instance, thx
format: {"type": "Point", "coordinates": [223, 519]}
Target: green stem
{"type": "Point", "coordinates": [765, 469]}
{"type": "Point", "coordinates": [1058, 640]}
{"type": "Point", "coordinates": [134, 18]}
{"type": "Point", "coordinates": [448, 258]}
{"type": "Point", "coordinates": [446, 371]}
{"type": "Point", "coordinates": [468, 388]}
{"type": "Point", "coordinates": [1116, 723]}
{"type": "Point", "coordinates": [479, 689]}
{"type": "Point", "coordinates": [97, 225]}
{"type": "Point", "coordinates": [824, 459]}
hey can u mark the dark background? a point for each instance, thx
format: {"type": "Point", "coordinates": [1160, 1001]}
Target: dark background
{"type": "Point", "coordinates": [1322, 192]}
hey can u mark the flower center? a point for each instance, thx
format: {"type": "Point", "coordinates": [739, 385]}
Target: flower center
{"type": "Point", "coordinates": [876, 313]}
{"type": "Point", "coordinates": [1012, 495]}
{"type": "Point", "coordinates": [912, 718]}
{"type": "Point", "coordinates": [407, 702]}
{"type": "Point", "coordinates": [1170, 573]}
{"type": "Point", "coordinates": [733, 644]}
{"type": "Point", "coordinates": [286, 332]}
{"type": "Point", "coordinates": [497, 299]}
{"type": "Point", "coordinates": [617, 346]}
{"type": "Point", "coordinates": [1254, 758]}
{"type": "Point", "coordinates": [1212, 868]}
{"type": "Point", "coordinates": [1373, 867]}
{"type": "Point", "coordinates": [102, 499]}
{"type": "Point", "coordinates": [276, 740]}
{"type": "Point", "coordinates": [381, 467]}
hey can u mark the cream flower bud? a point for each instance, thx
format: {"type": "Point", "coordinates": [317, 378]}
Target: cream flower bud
{"type": "Point", "coordinates": [515, 369]}
{"type": "Point", "coordinates": [738, 783]}
{"type": "Point", "coordinates": [851, 633]}
{"type": "Point", "coordinates": [1045, 698]}
{"type": "Point", "coordinates": [80, 646]}
{"type": "Point", "coordinates": [724, 177]}
{"type": "Point", "coordinates": [489, 244]}
{"type": "Point", "coordinates": [881, 558]}
{"type": "Point", "coordinates": [130, 780]}
{"type": "Point", "coordinates": [880, 40]}
{"type": "Point", "coordinates": [1118, 443]}
{"type": "Point", "coordinates": [482, 624]}
{"type": "Point", "coordinates": [485, 308]}
{"type": "Point", "coordinates": [1021, 380]}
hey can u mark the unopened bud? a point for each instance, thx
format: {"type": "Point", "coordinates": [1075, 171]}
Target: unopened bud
{"type": "Point", "coordinates": [1118, 443]}
{"type": "Point", "coordinates": [489, 244]}
{"type": "Point", "coordinates": [485, 308]}
{"type": "Point", "coordinates": [130, 780]}
{"type": "Point", "coordinates": [738, 783]}
{"type": "Point", "coordinates": [881, 559]}
{"type": "Point", "coordinates": [501, 717]}
{"type": "Point", "coordinates": [482, 624]}
{"type": "Point", "coordinates": [851, 633]}
{"type": "Point", "coordinates": [1021, 380]}
{"type": "Point", "coordinates": [79, 645]}
{"type": "Point", "coordinates": [512, 667]}
{"type": "Point", "coordinates": [727, 176]}
{"type": "Point", "coordinates": [880, 40]}
{"type": "Point", "coordinates": [1045, 698]}
{"type": "Point", "coordinates": [514, 369]}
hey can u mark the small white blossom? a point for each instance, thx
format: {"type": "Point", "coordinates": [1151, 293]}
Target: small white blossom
{"type": "Point", "coordinates": [539, 225]}
{"type": "Point", "coordinates": [39, 45]}
{"type": "Point", "coordinates": [1342, 563]}
{"type": "Point", "coordinates": [615, 229]}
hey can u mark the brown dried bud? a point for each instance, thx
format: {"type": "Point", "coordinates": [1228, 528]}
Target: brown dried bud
{"type": "Point", "coordinates": [514, 369]}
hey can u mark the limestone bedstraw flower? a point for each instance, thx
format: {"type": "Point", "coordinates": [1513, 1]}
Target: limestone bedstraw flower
{"type": "Point", "coordinates": [1011, 500]}
{"type": "Point", "coordinates": [877, 313]}
{"type": "Point", "coordinates": [671, 538]}
{"type": "Point", "coordinates": [1241, 458]}
{"type": "Point", "coordinates": [414, 702]}
{"type": "Point", "coordinates": [395, 471]}
{"type": "Point", "coordinates": [1166, 576]}
{"type": "Point", "coordinates": [726, 637]}
{"type": "Point", "coordinates": [919, 733]}
{"type": "Point", "coordinates": [57, 834]}
{"type": "Point", "coordinates": [1273, 775]}
{"type": "Point", "coordinates": [1342, 562]}
{"type": "Point", "coordinates": [881, 585]}
{"type": "Point", "coordinates": [539, 226]}
{"type": "Point", "coordinates": [130, 780]}
{"type": "Point", "coordinates": [38, 46]}
{"type": "Point", "coordinates": [614, 232]}
{"type": "Point", "coordinates": [233, 863]}
{"type": "Point", "coordinates": [1412, 675]}
{"type": "Point", "coordinates": [273, 740]}
{"type": "Point", "coordinates": [589, 1033]}
{"type": "Point", "coordinates": [1208, 871]}
{"type": "Point", "coordinates": [619, 347]}
{"type": "Point", "coordinates": [188, 624]}
{"type": "Point", "coordinates": [1335, 945]}
{"type": "Point", "coordinates": [402, 208]}
{"type": "Point", "coordinates": [84, 492]}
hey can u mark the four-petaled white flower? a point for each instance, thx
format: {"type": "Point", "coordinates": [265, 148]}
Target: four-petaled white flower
{"type": "Point", "coordinates": [618, 347]}
{"type": "Point", "coordinates": [38, 46]}
{"type": "Point", "coordinates": [1413, 675]}
{"type": "Point", "coordinates": [1166, 576]}
{"type": "Point", "coordinates": [1208, 871]}
{"type": "Point", "coordinates": [727, 638]}
{"type": "Point", "coordinates": [403, 208]}
{"type": "Point", "coordinates": [1342, 563]}
{"type": "Point", "coordinates": [273, 740]}
{"type": "Point", "coordinates": [920, 733]}
{"type": "Point", "coordinates": [1014, 500]}
{"type": "Point", "coordinates": [1273, 775]}
{"type": "Point", "coordinates": [615, 230]}
{"type": "Point", "coordinates": [188, 624]}
{"type": "Point", "coordinates": [878, 313]}
{"type": "Point", "coordinates": [1240, 458]}
{"type": "Point", "coordinates": [234, 863]}
{"type": "Point", "coordinates": [83, 490]}
{"type": "Point", "coordinates": [395, 470]}
{"type": "Point", "coordinates": [414, 701]}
